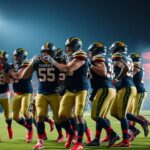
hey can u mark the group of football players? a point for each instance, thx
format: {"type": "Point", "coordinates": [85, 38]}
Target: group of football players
{"type": "Point", "coordinates": [113, 78]}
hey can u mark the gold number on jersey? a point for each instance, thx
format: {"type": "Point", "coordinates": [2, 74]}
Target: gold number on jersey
{"type": "Point", "coordinates": [62, 76]}
{"type": "Point", "coordinates": [131, 67]}
{"type": "Point", "coordinates": [46, 74]}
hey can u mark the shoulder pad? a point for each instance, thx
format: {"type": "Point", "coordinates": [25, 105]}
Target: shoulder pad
{"type": "Point", "coordinates": [99, 58]}
{"type": "Point", "coordinates": [116, 56]}
{"type": "Point", "coordinates": [25, 64]}
{"type": "Point", "coordinates": [80, 55]}
{"type": "Point", "coordinates": [137, 65]}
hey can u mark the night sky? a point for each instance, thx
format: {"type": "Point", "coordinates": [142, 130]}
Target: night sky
{"type": "Point", "coordinates": [31, 23]}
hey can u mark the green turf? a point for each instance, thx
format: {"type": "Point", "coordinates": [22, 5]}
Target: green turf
{"type": "Point", "coordinates": [18, 142]}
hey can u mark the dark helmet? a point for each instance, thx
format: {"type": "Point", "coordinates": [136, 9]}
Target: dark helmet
{"type": "Point", "coordinates": [74, 44]}
{"type": "Point", "coordinates": [48, 48]}
{"type": "Point", "coordinates": [118, 47]}
{"type": "Point", "coordinates": [96, 48]}
{"type": "Point", "coordinates": [3, 55]}
{"type": "Point", "coordinates": [60, 55]}
{"type": "Point", "coordinates": [20, 55]}
{"type": "Point", "coordinates": [135, 57]}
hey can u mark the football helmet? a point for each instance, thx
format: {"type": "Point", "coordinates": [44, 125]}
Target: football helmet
{"type": "Point", "coordinates": [20, 55]}
{"type": "Point", "coordinates": [59, 54]}
{"type": "Point", "coordinates": [96, 48]}
{"type": "Point", "coordinates": [135, 57]}
{"type": "Point", "coordinates": [48, 48]}
{"type": "Point", "coordinates": [73, 44]}
{"type": "Point", "coordinates": [118, 47]}
{"type": "Point", "coordinates": [3, 56]}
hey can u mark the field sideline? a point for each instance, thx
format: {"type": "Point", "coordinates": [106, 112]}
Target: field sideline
{"type": "Point", "coordinates": [18, 142]}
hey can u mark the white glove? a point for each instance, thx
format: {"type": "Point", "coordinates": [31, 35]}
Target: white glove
{"type": "Point", "coordinates": [47, 58]}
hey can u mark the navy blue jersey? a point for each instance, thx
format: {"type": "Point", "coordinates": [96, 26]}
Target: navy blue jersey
{"type": "Point", "coordinates": [98, 81]}
{"type": "Point", "coordinates": [78, 80]}
{"type": "Point", "coordinates": [138, 78]}
{"type": "Point", "coordinates": [4, 87]}
{"type": "Point", "coordinates": [127, 80]}
{"type": "Point", "coordinates": [22, 85]}
{"type": "Point", "coordinates": [48, 76]}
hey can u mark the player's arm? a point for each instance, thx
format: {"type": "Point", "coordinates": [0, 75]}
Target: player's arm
{"type": "Point", "coordinates": [71, 66]}
{"type": "Point", "coordinates": [27, 72]}
{"type": "Point", "coordinates": [124, 68]}
{"type": "Point", "coordinates": [78, 60]}
{"type": "Point", "coordinates": [99, 68]}
{"type": "Point", "coordinates": [136, 69]}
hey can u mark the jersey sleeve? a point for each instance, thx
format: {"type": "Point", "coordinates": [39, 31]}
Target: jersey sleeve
{"type": "Point", "coordinates": [98, 58]}
{"type": "Point", "coordinates": [80, 55]}
{"type": "Point", "coordinates": [25, 64]}
{"type": "Point", "coordinates": [116, 57]}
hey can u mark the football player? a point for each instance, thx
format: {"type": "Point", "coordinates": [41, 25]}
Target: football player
{"type": "Point", "coordinates": [101, 72]}
{"type": "Point", "coordinates": [61, 58]}
{"type": "Point", "coordinates": [48, 76]}
{"type": "Point", "coordinates": [4, 90]}
{"type": "Point", "coordinates": [47, 119]}
{"type": "Point", "coordinates": [135, 107]}
{"type": "Point", "coordinates": [77, 86]}
{"type": "Point", "coordinates": [22, 93]}
{"type": "Point", "coordinates": [126, 91]}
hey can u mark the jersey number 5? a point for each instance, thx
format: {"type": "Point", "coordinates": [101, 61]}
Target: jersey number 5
{"type": "Point", "coordinates": [46, 74]}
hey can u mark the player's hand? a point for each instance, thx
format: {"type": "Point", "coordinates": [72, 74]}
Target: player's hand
{"type": "Point", "coordinates": [47, 58]}
{"type": "Point", "coordinates": [14, 75]}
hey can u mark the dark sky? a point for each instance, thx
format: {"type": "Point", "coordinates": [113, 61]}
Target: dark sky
{"type": "Point", "coordinates": [30, 23]}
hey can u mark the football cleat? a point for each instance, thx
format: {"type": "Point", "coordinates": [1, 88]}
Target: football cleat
{"type": "Point", "coordinates": [122, 144]}
{"type": "Point", "coordinates": [77, 146]}
{"type": "Point", "coordinates": [136, 133]}
{"type": "Point", "coordinates": [94, 142]}
{"type": "Point", "coordinates": [113, 139]}
{"type": "Point", "coordinates": [145, 128]}
{"type": "Point", "coordinates": [69, 140]}
{"type": "Point", "coordinates": [105, 139]}
{"type": "Point", "coordinates": [39, 145]}
{"type": "Point", "coordinates": [60, 139]}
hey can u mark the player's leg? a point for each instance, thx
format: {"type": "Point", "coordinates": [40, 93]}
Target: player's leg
{"type": "Point", "coordinates": [80, 101]}
{"type": "Point", "coordinates": [132, 115]}
{"type": "Point", "coordinates": [105, 114]}
{"type": "Point", "coordinates": [59, 131]}
{"type": "Point", "coordinates": [6, 108]}
{"type": "Point", "coordinates": [112, 136]}
{"type": "Point", "coordinates": [25, 104]}
{"type": "Point", "coordinates": [65, 111]}
{"type": "Point", "coordinates": [125, 97]}
{"type": "Point", "coordinates": [103, 100]}
{"type": "Point", "coordinates": [41, 107]}
{"type": "Point", "coordinates": [16, 107]}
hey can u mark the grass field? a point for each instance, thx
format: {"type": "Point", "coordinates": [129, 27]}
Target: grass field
{"type": "Point", "coordinates": [18, 142]}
